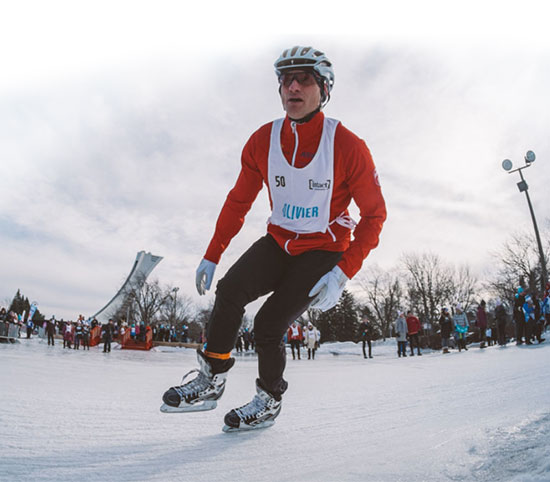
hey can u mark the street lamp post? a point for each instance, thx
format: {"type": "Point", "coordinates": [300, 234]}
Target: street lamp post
{"type": "Point", "coordinates": [523, 187]}
{"type": "Point", "coordinates": [175, 290]}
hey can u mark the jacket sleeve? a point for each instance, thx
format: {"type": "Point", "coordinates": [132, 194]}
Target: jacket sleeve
{"type": "Point", "coordinates": [237, 204]}
{"type": "Point", "coordinates": [364, 187]}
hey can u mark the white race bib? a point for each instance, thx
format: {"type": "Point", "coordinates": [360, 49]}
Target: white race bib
{"type": "Point", "coordinates": [301, 196]}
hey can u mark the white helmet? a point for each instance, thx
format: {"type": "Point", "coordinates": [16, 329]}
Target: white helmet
{"type": "Point", "coordinates": [308, 58]}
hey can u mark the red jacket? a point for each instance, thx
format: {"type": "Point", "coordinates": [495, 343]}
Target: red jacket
{"type": "Point", "coordinates": [355, 178]}
{"type": "Point", "coordinates": [413, 325]}
{"type": "Point", "coordinates": [300, 336]}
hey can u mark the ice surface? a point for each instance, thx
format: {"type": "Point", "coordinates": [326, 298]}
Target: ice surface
{"type": "Point", "coordinates": [484, 415]}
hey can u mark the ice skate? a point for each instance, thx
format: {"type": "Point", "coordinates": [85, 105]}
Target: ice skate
{"type": "Point", "coordinates": [201, 393]}
{"type": "Point", "coordinates": [259, 413]}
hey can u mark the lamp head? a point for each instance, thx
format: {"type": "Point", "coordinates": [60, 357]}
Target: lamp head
{"type": "Point", "coordinates": [507, 164]}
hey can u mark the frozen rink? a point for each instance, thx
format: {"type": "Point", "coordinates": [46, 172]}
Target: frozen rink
{"type": "Point", "coordinates": [484, 415]}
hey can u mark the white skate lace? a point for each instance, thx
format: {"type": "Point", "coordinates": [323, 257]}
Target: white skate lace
{"type": "Point", "coordinates": [194, 386]}
{"type": "Point", "coordinates": [251, 409]}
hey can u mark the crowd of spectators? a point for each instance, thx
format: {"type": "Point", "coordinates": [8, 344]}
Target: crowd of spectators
{"type": "Point", "coordinates": [526, 324]}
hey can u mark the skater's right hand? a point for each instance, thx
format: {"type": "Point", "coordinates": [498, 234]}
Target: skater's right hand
{"type": "Point", "coordinates": [204, 276]}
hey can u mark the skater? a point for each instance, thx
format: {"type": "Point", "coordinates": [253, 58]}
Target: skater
{"type": "Point", "coordinates": [313, 167]}
{"type": "Point", "coordinates": [460, 321]}
{"type": "Point", "coordinates": [481, 323]}
{"type": "Point", "coordinates": [312, 340]}
{"type": "Point", "coordinates": [500, 317]}
{"type": "Point", "coordinates": [295, 337]}
{"type": "Point", "coordinates": [446, 325]}
{"type": "Point", "coordinates": [365, 335]}
{"type": "Point", "coordinates": [401, 334]}
{"type": "Point", "coordinates": [413, 328]}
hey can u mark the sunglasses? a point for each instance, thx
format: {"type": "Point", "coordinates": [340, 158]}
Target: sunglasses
{"type": "Point", "coordinates": [303, 78]}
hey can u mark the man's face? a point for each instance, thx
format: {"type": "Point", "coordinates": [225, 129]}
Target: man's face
{"type": "Point", "coordinates": [300, 93]}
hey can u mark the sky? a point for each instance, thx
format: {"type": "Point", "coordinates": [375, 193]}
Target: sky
{"type": "Point", "coordinates": [122, 123]}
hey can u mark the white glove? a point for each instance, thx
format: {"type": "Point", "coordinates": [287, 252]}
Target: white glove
{"type": "Point", "coordinates": [328, 289]}
{"type": "Point", "coordinates": [204, 276]}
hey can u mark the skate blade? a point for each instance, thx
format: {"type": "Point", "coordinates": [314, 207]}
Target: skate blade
{"type": "Point", "coordinates": [201, 407]}
{"type": "Point", "coordinates": [248, 428]}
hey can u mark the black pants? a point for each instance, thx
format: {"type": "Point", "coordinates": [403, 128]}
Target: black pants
{"type": "Point", "coordinates": [520, 331]}
{"type": "Point", "coordinates": [266, 268]}
{"type": "Point", "coordinates": [413, 341]}
{"type": "Point", "coordinates": [50, 339]}
{"type": "Point", "coordinates": [295, 344]}
{"type": "Point", "coordinates": [106, 346]}
{"type": "Point", "coordinates": [502, 332]}
{"type": "Point", "coordinates": [367, 342]}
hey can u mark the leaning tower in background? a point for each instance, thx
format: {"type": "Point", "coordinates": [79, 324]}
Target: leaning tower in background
{"type": "Point", "coordinates": [143, 265]}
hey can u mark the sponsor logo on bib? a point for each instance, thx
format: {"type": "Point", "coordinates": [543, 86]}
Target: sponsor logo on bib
{"type": "Point", "coordinates": [299, 212]}
{"type": "Point", "coordinates": [319, 185]}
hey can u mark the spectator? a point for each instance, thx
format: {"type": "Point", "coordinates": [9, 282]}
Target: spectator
{"type": "Point", "coordinates": [365, 335]}
{"type": "Point", "coordinates": [30, 326]}
{"type": "Point", "coordinates": [481, 322]}
{"type": "Point", "coordinates": [68, 335]}
{"type": "Point", "coordinates": [239, 343]}
{"type": "Point", "coordinates": [50, 330]}
{"type": "Point", "coordinates": [312, 338]}
{"type": "Point", "coordinates": [519, 315]}
{"type": "Point", "coordinates": [500, 316]}
{"type": "Point", "coordinates": [529, 311]}
{"type": "Point", "coordinates": [401, 334]}
{"type": "Point", "coordinates": [539, 321]}
{"type": "Point", "coordinates": [446, 324]}
{"type": "Point", "coordinates": [413, 329]}
{"type": "Point", "coordinates": [461, 324]}
{"type": "Point", "coordinates": [107, 332]}
{"type": "Point", "coordinates": [295, 336]}
{"type": "Point", "coordinates": [247, 339]}
{"type": "Point", "coordinates": [142, 331]}
{"type": "Point", "coordinates": [86, 335]}
{"type": "Point", "coordinates": [78, 333]}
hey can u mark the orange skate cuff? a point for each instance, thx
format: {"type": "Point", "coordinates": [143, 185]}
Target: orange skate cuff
{"type": "Point", "coordinates": [219, 356]}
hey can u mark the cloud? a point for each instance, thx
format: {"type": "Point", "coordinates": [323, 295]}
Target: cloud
{"type": "Point", "coordinates": [111, 158]}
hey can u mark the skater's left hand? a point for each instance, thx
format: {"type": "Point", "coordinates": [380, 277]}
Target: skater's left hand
{"type": "Point", "coordinates": [328, 289]}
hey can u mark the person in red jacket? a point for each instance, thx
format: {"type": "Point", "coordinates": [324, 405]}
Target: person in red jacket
{"type": "Point", "coordinates": [413, 326]}
{"type": "Point", "coordinates": [295, 336]}
{"type": "Point", "coordinates": [313, 167]}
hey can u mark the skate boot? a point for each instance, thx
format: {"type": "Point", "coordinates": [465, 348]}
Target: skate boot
{"type": "Point", "coordinates": [259, 413]}
{"type": "Point", "coordinates": [203, 391]}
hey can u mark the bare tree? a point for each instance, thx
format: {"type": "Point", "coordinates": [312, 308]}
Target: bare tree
{"type": "Point", "coordinates": [465, 286]}
{"type": "Point", "coordinates": [178, 308]}
{"type": "Point", "coordinates": [518, 264]}
{"type": "Point", "coordinates": [384, 295]}
{"type": "Point", "coordinates": [144, 299]}
{"type": "Point", "coordinates": [430, 284]}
